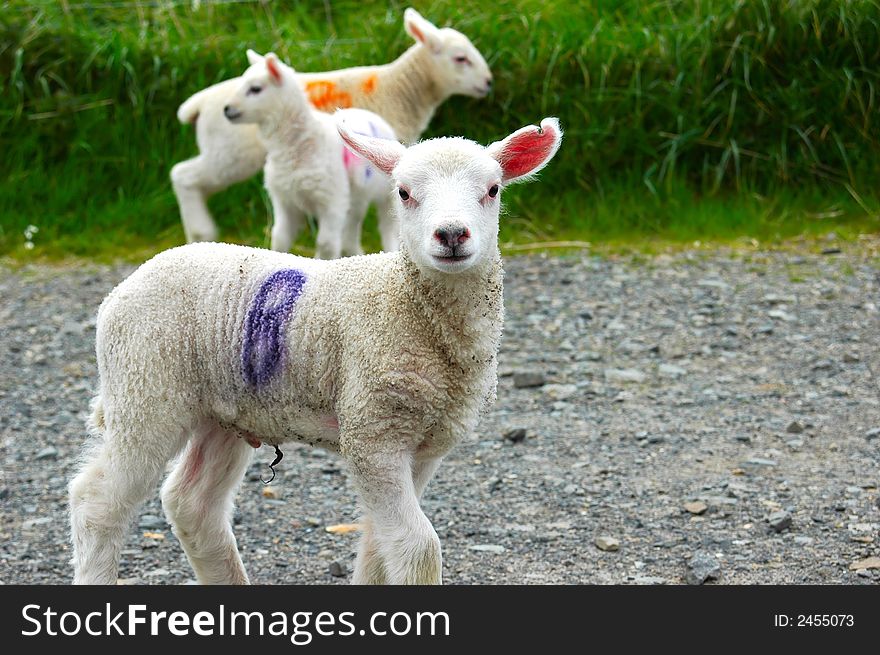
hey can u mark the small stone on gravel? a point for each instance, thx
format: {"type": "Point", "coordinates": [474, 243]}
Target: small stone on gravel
{"type": "Point", "coordinates": [526, 379]}
{"type": "Point", "coordinates": [781, 315]}
{"type": "Point", "coordinates": [561, 392]}
{"type": "Point", "coordinates": [867, 563]}
{"type": "Point", "coordinates": [702, 567]}
{"type": "Point", "coordinates": [516, 435]}
{"type": "Point", "coordinates": [873, 433]}
{"type": "Point", "coordinates": [760, 461]}
{"type": "Point", "coordinates": [624, 375]}
{"type": "Point", "coordinates": [697, 507]}
{"type": "Point", "coordinates": [608, 544]}
{"type": "Point", "coordinates": [671, 371]}
{"type": "Point", "coordinates": [32, 523]}
{"type": "Point", "coordinates": [779, 521]}
{"type": "Point", "coordinates": [336, 570]}
{"type": "Point", "coordinates": [151, 522]}
{"type": "Point", "coordinates": [495, 549]}
{"type": "Point", "coordinates": [794, 427]}
{"type": "Point", "coordinates": [49, 452]}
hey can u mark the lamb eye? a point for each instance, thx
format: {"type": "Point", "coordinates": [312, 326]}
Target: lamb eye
{"type": "Point", "coordinates": [254, 90]}
{"type": "Point", "coordinates": [461, 59]}
{"type": "Point", "coordinates": [493, 191]}
{"type": "Point", "coordinates": [403, 194]}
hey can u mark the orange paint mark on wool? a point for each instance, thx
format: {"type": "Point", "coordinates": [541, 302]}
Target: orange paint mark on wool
{"type": "Point", "coordinates": [369, 84]}
{"type": "Point", "coordinates": [325, 96]}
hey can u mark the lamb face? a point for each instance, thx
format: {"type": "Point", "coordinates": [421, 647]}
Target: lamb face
{"type": "Point", "coordinates": [448, 190]}
{"type": "Point", "coordinates": [259, 96]}
{"type": "Point", "coordinates": [458, 65]}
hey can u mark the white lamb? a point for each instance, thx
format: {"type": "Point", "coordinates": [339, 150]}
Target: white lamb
{"type": "Point", "coordinates": [309, 171]}
{"type": "Point", "coordinates": [387, 359]}
{"type": "Point", "coordinates": [406, 92]}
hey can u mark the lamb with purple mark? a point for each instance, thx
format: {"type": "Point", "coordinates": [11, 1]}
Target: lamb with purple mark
{"type": "Point", "coordinates": [389, 360]}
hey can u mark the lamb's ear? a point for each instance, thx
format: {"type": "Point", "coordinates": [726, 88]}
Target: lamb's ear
{"type": "Point", "coordinates": [527, 151]}
{"type": "Point", "coordinates": [382, 153]}
{"type": "Point", "coordinates": [254, 57]}
{"type": "Point", "coordinates": [422, 30]}
{"type": "Point", "coordinates": [273, 65]}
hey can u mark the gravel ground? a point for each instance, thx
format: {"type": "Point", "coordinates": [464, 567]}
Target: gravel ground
{"type": "Point", "coordinates": [702, 416]}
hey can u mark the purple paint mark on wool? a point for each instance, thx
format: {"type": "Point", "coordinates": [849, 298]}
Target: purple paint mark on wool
{"type": "Point", "coordinates": [263, 347]}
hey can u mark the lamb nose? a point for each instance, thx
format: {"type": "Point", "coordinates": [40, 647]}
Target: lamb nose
{"type": "Point", "coordinates": [452, 236]}
{"type": "Point", "coordinates": [227, 111]}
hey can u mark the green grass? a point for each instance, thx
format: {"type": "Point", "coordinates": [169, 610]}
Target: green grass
{"type": "Point", "coordinates": [684, 119]}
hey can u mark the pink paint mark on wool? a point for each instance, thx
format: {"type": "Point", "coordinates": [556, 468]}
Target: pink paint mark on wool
{"type": "Point", "coordinates": [332, 422]}
{"type": "Point", "coordinates": [349, 158]}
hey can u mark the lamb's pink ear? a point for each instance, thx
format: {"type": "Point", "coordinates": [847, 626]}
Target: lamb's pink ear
{"type": "Point", "coordinates": [382, 153]}
{"type": "Point", "coordinates": [527, 151]}
{"type": "Point", "coordinates": [274, 68]}
{"type": "Point", "coordinates": [422, 30]}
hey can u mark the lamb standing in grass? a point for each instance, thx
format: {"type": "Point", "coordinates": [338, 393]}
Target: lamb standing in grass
{"type": "Point", "coordinates": [406, 93]}
{"type": "Point", "coordinates": [308, 168]}
{"type": "Point", "coordinates": [388, 359]}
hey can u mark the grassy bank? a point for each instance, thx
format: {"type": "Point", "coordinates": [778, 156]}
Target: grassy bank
{"type": "Point", "coordinates": [684, 120]}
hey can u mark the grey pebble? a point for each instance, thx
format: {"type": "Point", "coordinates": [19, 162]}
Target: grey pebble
{"type": "Point", "coordinates": [526, 379]}
{"type": "Point", "coordinates": [760, 461]}
{"type": "Point", "coordinates": [625, 375]}
{"type": "Point", "coordinates": [606, 543]}
{"type": "Point", "coordinates": [702, 567]}
{"type": "Point", "coordinates": [779, 521]}
{"type": "Point", "coordinates": [49, 452]}
{"type": "Point", "coordinates": [671, 371]}
{"type": "Point", "coordinates": [32, 523]}
{"type": "Point", "coordinates": [151, 522]}
{"type": "Point", "coordinates": [336, 570]}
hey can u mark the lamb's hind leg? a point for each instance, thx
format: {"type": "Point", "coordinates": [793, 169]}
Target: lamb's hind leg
{"type": "Point", "coordinates": [189, 180]}
{"type": "Point", "coordinates": [351, 233]}
{"type": "Point", "coordinates": [332, 218]}
{"type": "Point", "coordinates": [198, 500]}
{"type": "Point", "coordinates": [115, 479]}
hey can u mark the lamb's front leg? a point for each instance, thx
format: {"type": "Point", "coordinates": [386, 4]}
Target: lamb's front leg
{"type": "Point", "coordinates": [399, 540]}
{"type": "Point", "coordinates": [287, 220]}
{"type": "Point", "coordinates": [332, 219]}
{"type": "Point", "coordinates": [370, 567]}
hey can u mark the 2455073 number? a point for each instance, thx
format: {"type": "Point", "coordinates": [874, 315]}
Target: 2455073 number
{"type": "Point", "coordinates": [814, 621]}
